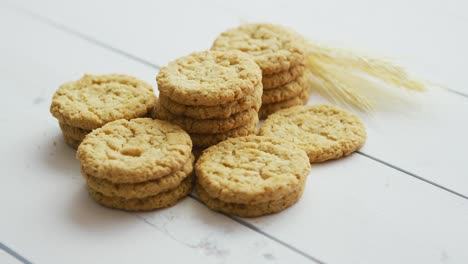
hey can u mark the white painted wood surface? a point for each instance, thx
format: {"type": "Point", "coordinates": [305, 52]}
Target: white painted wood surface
{"type": "Point", "coordinates": [403, 200]}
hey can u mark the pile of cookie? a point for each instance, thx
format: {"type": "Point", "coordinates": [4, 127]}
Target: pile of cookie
{"type": "Point", "coordinates": [209, 100]}
{"type": "Point", "coordinates": [281, 55]}
{"type": "Point", "coordinates": [94, 100]}
{"type": "Point", "coordinates": [137, 165]}
{"type": "Point", "coordinates": [212, 95]}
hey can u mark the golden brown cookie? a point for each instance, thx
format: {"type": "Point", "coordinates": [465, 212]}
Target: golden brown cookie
{"type": "Point", "coordinates": [141, 189]}
{"type": "Point", "coordinates": [253, 210]}
{"type": "Point", "coordinates": [95, 100]}
{"type": "Point", "coordinates": [249, 101]}
{"type": "Point", "coordinates": [252, 169]}
{"type": "Point", "coordinates": [206, 140]}
{"type": "Point", "coordinates": [74, 132]}
{"type": "Point", "coordinates": [209, 126]}
{"type": "Point", "coordinates": [271, 81]}
{"type": "Point", "coordinates": [161, 200]}
{"type": "Point", "coordinates": [288, 91]}
{"type": "Point", "coordinates": [274, 48]}
{"type": "Point", "coordinates": [133, 151]}
{"type": "Point", "coordinates": [209, 78]}
{"type": "Point", "coordinates": [268, 109]}
{"type": "Point", "coordinates": [325, 132]}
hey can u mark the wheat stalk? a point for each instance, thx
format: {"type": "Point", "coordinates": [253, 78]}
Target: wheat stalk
{"type": "Point", "coordinates": [342, 76]}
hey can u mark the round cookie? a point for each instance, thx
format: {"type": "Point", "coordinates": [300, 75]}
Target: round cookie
{"type": "Point", "coordinates": [142, 189]}
{"type": "Point", "coordinates": [325, 132]}
{"type": "Point", "coordinates": [252, 169]}
{"type": "Point", "coordinates": [268, 109]}
{"type": "Point", "coordinates": [158, 201]}
{"type": "Point", "coordinates": [274, 48]}
{"type": "Point", "coordinates": [209, 78]}
{"type": "Point", "coordinates": [206, 140]}
{"type": "Point", "coordinates": [255, 210]}
{"type": "Point", "coordinates": [287, 91]}
{"type": "Point", "coordinates": [208, 126]}
{"type": "Point", "coordinates": [137, 150]}
{"type": "Point", "coordinates": [95, 100]}
{"type": "Point", "coordinates": [275, 80]}
{"type": "Point", "coordinates": [253, 100]}
{"type": "Point", "coordinates": [74, 132]}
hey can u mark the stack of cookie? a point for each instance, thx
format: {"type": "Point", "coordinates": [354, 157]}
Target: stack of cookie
{"type": "Point", "coordinates": [251, 176]}
{"type": "Point", "coordinates": [95, 100]}
{"type": "Point", "coordinates": [137, 165]}
{"type": "Point", "coordinates": [281, 55]}
{"type": "Point", "coordinates": [213, 95]}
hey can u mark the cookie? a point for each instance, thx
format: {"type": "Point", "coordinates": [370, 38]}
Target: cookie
{"type": "Point", "coordinates": [161, 200]}
{"type": "Point", "coordinates": [209, 78]}
{"type": "Point", "coordinates": [255, 210]}
{"type": "Point", "coordinates": [274, 48]}
{"type": "Point", "coordinates": [142, 189]}
{"type": "Point", "coordinates": [268, 109]}
{"type": "Point", "coordinates": [209, 126]}
{"type": "Point", "coordinates": [206, 140]}
{"type": "Point", "coordinates": [325, 132]}
{"type": "Point", "coordinates": [275, 80]}
{"type": "Point", "coordinates": [137, 150]}
{"type": "Point", "coordinates": [95, 100]}
{"type": "Point", "coordinates": [253, 100]}
{"type": "Point", "coordinates": [74, 132]}
{"type": "Point", "coordinates": [288, 91]}
{"type": "Point", "coordinates": [252, 169]}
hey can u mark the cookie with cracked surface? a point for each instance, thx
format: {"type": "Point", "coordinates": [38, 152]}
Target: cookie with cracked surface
{"type": "Point", "coordinates": [325, 132]}
{"type": "Point", "coordinates": [206, 126]}
{"type": "Point", "coordinates": [253, 100]}
{"type": "Point", "coordinates": [95, 100]}
{"type": "Point", "coordinates": [137, 150]}
{"type": "Point", "coordinates": [206, 140]}
{"type": "Point", "coordinates": [288, 91]}
{"type": "Point", "coordinates": [74, 132]}
{"type": "Point", "coordinates": [273, 47]}
{"type": "Point", "coordinates": [141, 189]}
{"type": "Point", "coordinates": [250, 210]}
{"type": "Point", "coordinates": [271, 81]}
{"type": "Point", "coordinates": [268, 109]}
{"type": "Point", "coordinates": [252, 169]}
{"type": "Point", "coordinates": [209, 78]}
{"type": "Point", "coordinates": [161, 200]}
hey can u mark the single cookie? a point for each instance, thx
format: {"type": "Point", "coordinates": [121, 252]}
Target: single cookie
{"type": "Point", "coordinates": [158, 201]}
{"type": "Point", "coordinates": [323, 131]}
{"type": "Point", "coordinates": [288, 91]}
{"type": "Point", "coordinates": [249, 101]}
{"type": "Point", "coordinates": [275, 80]}
{"type": "Point", "coordinates": [208, 126]}
{"type": "Point", "coordinates": [70, 141]}
{"type": "Point", "coordinates": [74, 132]}
{"type": "Point", "coordinates": [268, 109]}
{"type": "Point", "coordinates": [252, 169]}
{"type": "Point", "coordinates": [133, 151]}
{"type": "Point", "coordinates": [255, 210]}
{"type": "Point", "coordinates": [95, 100]}
{"type": "Point", "coordinates": [206, 140]}
{"type": "Point", "coordinates": [274, 48]}
{"type": "Point", "coordinates": [142, 189]}
{"type": "Point", "coordinates": [209, 78]}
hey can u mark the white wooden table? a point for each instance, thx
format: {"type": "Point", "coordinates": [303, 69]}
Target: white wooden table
{"type": "Point", "coordinates": [402, 199]}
